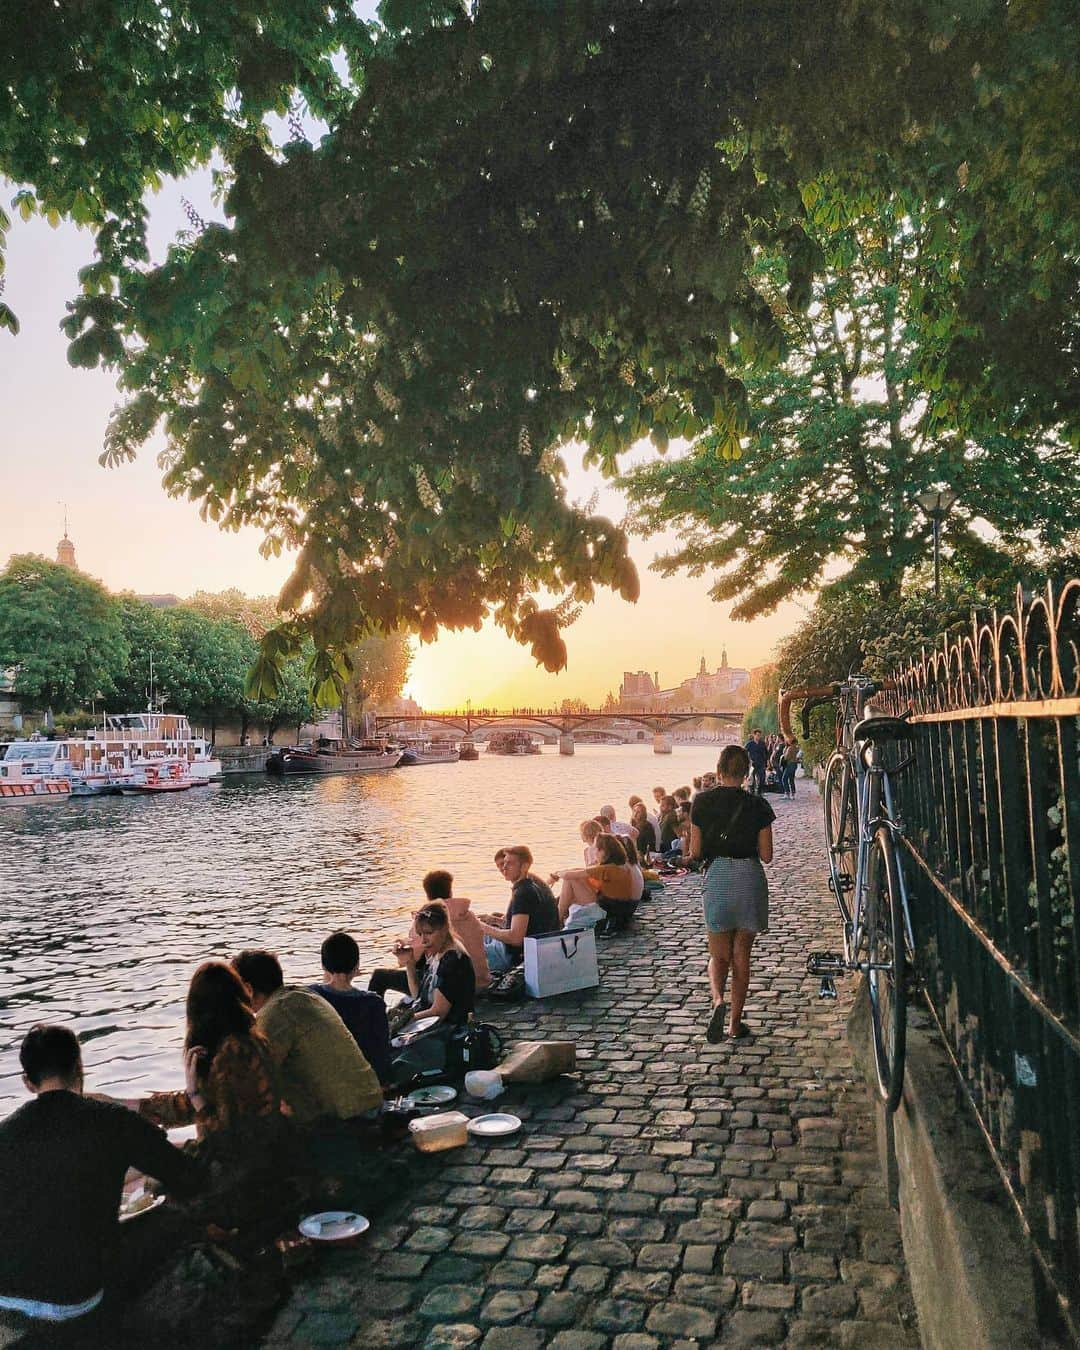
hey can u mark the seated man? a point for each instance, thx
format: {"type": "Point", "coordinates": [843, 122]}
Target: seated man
{"type": "Point", "coordinates": [362, 1012]}
{"type": "Point", "coordinates": [63, 1158]}
{"type": "Point", "coordinates": [323, 1072]}
{"type": "Point", "coordinates": [532, 911]}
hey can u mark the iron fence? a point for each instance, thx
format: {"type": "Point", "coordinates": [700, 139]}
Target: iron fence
{"type": "Point", "coordinates": [991, 810]}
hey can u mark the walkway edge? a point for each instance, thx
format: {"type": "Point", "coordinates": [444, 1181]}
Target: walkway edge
{"type": "Point", "coordinates": [967, 1258]}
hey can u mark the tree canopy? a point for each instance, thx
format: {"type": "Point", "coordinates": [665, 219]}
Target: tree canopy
{"type": "Point", "coordinates": [841, 438]}
{"type": "Point", "coordinates": [60, 632]}
{"type": "Point", "coordinates": [518, 235]}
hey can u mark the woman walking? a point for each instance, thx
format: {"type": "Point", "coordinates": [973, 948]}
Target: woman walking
{"type": "Point", "coordinates": [731, 833]}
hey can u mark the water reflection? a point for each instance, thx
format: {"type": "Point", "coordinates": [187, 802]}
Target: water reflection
{"type": "Point", "coordinates": [106, 906]}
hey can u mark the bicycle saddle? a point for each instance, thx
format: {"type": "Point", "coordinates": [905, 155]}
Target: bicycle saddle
{"type": "Point", "coordinates": [879, 727]}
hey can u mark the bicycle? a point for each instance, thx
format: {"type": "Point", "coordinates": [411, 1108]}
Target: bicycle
{"type": "Point", "coordinates": [862, 831]}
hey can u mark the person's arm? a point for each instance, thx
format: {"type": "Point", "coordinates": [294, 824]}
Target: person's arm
{"type": "Point", "coordinates": [571, 874]}
{"type": "Point", "coordinates": [514, 936]}
{"type": "Point", "coordinates": [764, 844]}
{"type": "Point", "coordinates": [149, 1151]}
{"type": "Point", "coordinates": [439, 1007]}
{"type": "Point", "coordinates": [695, 843]}
{"type": "Point", "coordinates": [406, 959]}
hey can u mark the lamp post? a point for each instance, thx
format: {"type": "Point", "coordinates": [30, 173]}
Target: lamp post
{"type": "Point", "coordinates": [937, 503]}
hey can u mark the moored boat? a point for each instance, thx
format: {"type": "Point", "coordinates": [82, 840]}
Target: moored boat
{"type": "Point", "coordinates": [334, 756]}
{"type": "Point", "coordinates": [23, 784]}
{"type": "Point", "coordinates": [168, 774]}
{"type": "Point", "coordinates": [418, 751]}
{"type": "Point", "coordinates": [512, 743]}
{"type": "Point", "coordinates": [468, 750]}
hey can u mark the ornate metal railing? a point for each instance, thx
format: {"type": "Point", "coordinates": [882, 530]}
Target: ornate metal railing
{"type": "Point", "coordinates": [991, 809]}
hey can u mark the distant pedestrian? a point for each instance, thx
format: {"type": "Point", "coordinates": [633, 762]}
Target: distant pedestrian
{"type": "Point", "coordinates": [789, 763]}
{"type": "Point", "coordinates": [731, 835]}
{"type": "Point", "coordinates": [758, 754]}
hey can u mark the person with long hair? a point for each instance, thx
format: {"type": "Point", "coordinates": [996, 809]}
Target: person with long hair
{"type": "Point", "coordinates": [731, 835]}
{"type": "Point", "coordinates": [228, 1069]}
{"type": "Point", "coordinates": [646, 832]}
{"type": "Point", "coordinates": [609, 884]}
{"type": "Point", "coordinates": [447, 987]}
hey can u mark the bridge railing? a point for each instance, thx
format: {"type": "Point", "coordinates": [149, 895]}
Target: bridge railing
{"type": "Point", "coordinates": [991, 810]}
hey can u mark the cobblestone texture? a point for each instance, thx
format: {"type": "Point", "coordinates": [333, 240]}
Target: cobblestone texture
{"type": "Point", "coordinates": [672, 1193]}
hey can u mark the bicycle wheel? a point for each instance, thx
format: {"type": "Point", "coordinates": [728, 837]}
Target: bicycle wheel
{"type": "Point", "coordinates": [840, 826]}
{"type": "Point", "coordinates": [888, 962]}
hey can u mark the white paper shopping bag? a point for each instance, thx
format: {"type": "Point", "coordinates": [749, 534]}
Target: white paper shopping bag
{"type": "Point", "coordinates": [558, 963]}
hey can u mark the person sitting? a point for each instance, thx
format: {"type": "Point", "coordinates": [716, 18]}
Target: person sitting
{"type": "Point", "coordinates": [439, 885]}
{"type": "Point", "coordinates": [669, 824]}
{"type": "Point", "coordinates": [617, 827]}
{"type": "Point", "coordinates": [363, 1012]}
{"type": "Point", "coordinates": [229, 1072]}
{"type": "Point", "coordinates": [63, 1158]}
{"type": "Point", "coordinates": [609, 884]}
{"type": "Point", "coordinates": [447, 988]}
{"type": "Point", "coordinates": [633, 861]}
{"type": "Point", "coordinates": [531, 912]}
{"type": "Point", "coordinates": [590, 832]}
{"type": "Point", "coordinates": [646, 833]}
{"type": "Point", "coordinates": [323, 1071]}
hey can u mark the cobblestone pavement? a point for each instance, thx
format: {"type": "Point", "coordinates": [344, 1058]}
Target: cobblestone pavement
{"type": "Point", "coordinates": [672, 1193]}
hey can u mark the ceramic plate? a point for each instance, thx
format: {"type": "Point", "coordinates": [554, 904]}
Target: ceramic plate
{"type": "Point", "coordinates": [490, 1127]}
{"type": "Point", "coordinates": [439, 1095]}
{"type": "Point", "coordinates": [138, 1205]}
{"type": "Point", "coordinates": [333, 1225]}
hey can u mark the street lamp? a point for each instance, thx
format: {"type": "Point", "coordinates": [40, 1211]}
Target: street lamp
{"type": "Point", "coordinates": [937, 503]}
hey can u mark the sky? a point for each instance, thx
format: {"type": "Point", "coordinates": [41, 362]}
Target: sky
{"type": "Point", "coordinates": [132, 536]}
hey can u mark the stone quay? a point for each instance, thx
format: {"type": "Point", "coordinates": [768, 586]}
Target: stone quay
{"type": "Point", "coordinates": [671, 1193]}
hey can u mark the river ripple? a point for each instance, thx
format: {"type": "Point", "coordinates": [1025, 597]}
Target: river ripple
{"type": "Point", "coordinates": [107, 906]}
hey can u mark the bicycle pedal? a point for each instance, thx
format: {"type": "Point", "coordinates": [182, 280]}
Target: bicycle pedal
{"type": "Point", "coordinates": [828, 987]}
{"type": "Point", "coordinates": [846, 883]}
{"type": "Point", "coordinates": [827, 965]}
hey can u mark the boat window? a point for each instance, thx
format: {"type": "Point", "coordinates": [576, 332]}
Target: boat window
{"type": "Point", "coordinates": [43, 750]}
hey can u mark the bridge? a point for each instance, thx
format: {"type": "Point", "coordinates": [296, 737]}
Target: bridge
{"type": "Point", "coordinates": [562, 723]}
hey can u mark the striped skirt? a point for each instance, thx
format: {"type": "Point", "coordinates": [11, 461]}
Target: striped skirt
{"type": "Point", "coordinates": [736, 895]}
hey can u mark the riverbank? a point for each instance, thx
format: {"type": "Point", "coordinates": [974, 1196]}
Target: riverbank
{"type": "Point", "coordinates": [670, 1191]}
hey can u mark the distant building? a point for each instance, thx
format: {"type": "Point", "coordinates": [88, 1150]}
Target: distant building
{"type": "Point", "coordinates": [638, 687]}
{"type": "Point", "coordinates": [722, 688]}
{"type": "Point", "coordinates": [65, 553]}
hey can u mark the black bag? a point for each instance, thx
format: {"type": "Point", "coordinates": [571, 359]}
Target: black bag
{"type": "Point", "coordinates": [477, 1045]}
{"type": "Point", "coordinates": [446, 1053]}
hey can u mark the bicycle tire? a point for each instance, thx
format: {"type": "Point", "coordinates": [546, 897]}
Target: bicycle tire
{"type": "Point", "coordinates": [887, 978]}
{"type": "Point", "coordinates": [839, 805]}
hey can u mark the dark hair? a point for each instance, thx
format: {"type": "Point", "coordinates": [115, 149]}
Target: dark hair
{"type": "Point", "coordinates": [630, 849]}
{"type": "Point", "coordinates": [217, 1006]}
{"type": "Point", "coordinates": [734, 762]}
{"type": "Point", "coordinates": [50, 1052]}
{"type": "Point", "coordinates": [262, 970]}
{"type": "Point", "coordinates": [668, 803]}
{"type": "Point", "coordinates": [610, 848]}
{"type": "Point", "coordinates": [438, 885]}
{"type": "Point", "coordinates": [638, 812]}
{"type": "Point", "coordinates": [339, 954]}
{"type": "Point", "coordinates": [500, 854]}
{"type": "Point", "coordinates": [756, 731]}
{"type": "Point", "coordinates": [682, 793]}
{"type": "Point", "coordinates": [697, 783]}
{"type": "Point", "coordinates": [520, 851]}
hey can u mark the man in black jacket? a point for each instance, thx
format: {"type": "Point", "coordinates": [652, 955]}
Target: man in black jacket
{"type": "Point", "coordinates": [63, 1158]}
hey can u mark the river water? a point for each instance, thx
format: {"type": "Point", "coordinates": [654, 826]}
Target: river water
{"type": "Point", "coordinates": [107, 905]}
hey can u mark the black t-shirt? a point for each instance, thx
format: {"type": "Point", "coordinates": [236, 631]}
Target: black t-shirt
{"type": "Point", "coordinates": [533, 897]}
{"type": "Point", "coordinates": [62, 1164]}
{"type": "Point", "coordinates": [669, 828]}
{"type": "Point", "coordinates": [455, 979]}
{"type": "Point", "coordinates": [365, 1016]}
{"type": "Point", "coordinates": [646, 839]}
{"type": "Point", "coordinates": [713, 812]}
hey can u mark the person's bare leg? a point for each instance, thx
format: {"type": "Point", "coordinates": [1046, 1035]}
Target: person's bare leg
{"type": "Point", "coordinates": [574, 892]}
{"type": "Point", "coordinates": [719, 964]}
{"type": "Point", "coordinates": [740, 974]}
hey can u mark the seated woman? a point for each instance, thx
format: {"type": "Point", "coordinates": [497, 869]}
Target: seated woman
{"type": "Point", "coordinates": [609, 884]}
{"type": "Point", "coordinates": [591, 830]}
{"type": "Point", "coordinates": [447, 987]}
{"type": "Point", "coordinates": [228, 1071]}
{"type": "Point", "coordinates": [646, 836]}
{"type": "Point", "coordinates": [669, 824]}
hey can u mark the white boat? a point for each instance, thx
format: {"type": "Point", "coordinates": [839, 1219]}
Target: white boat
{"type": "Point", "coordinates": [168, 774]}
{"type": "Point", "coordinates": [116, 756]}
{"type": "Point", "coordinates": [23, 782]}
{"type": "Point", "coordinates": [419, 751]}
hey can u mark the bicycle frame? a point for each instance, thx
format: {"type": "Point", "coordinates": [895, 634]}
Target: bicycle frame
{"type": "Point", "coordinates": [873, 792]}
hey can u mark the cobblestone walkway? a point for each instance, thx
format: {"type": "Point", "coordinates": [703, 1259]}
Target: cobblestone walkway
{"type": "Point", "coordinates": [671, 1194]}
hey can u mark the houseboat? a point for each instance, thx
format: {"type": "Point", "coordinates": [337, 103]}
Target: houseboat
{"type": "Point", "coordinates": [417, 751]}
{"type": "Point", "coordinates": [512, 743]}
{"type": "Point", "coordinates": [23, 784]}
{"type": "Point", "coordinates": [327, 755]}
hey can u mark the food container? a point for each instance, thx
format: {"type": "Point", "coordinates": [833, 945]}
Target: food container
{"type": "Point", "coordinates": [447, 1129]}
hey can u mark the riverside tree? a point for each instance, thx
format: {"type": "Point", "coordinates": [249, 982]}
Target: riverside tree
{"type": "Point", "coordinates": [500, 246]}
{"type": "Point", "coordinates": [840, 437]}
{"type": "Point", "coordinates": [60, 633]}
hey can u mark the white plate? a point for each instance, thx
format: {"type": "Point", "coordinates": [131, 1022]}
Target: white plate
{"type": "Point", "coordinates": [334, 1225]}
{"type": "Point", "coordinates": [416, 1028]}
{"type": "Point", "coordinates": [145, 1203]}
{"type": "Point", "coordinates": [439, 1095]}
{"type": "Point", "coordinates": [491, 1127]}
